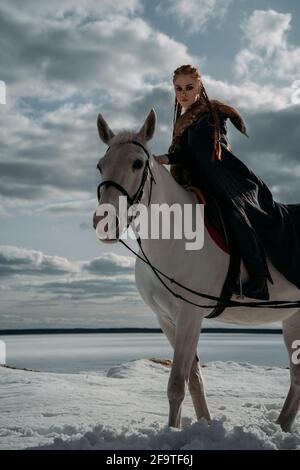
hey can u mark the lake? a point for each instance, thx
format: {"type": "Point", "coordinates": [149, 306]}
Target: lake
{"type": "Point", "coordinates": [99, 351]}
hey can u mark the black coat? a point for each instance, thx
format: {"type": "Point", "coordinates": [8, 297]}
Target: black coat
{"type": "Point", "coordinates": [234, 185]}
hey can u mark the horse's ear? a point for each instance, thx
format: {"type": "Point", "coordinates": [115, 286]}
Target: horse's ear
{"type": "Point", "coordinates": [105, 133]}
{"type": "Point", "coordinates": [147, 130]}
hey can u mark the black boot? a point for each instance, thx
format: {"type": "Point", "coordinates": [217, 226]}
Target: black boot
{"type": "Point", "coordinates": [256, 287]}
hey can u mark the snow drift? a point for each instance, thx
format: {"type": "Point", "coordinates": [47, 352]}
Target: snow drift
{"type": "Point", "coordinates": [126, 407]}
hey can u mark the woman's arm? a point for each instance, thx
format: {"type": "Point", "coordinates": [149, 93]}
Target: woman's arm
{"type": "Point", "coordinates": [200, 139]}
{"type": "Point", "coordinates": [175, 157]}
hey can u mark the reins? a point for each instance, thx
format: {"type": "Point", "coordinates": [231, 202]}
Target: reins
{"type": "Point", "coordinates": [221, 301]}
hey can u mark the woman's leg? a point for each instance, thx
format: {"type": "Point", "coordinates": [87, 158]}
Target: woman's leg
{"type": "Point", "coordinates": [256, 287]}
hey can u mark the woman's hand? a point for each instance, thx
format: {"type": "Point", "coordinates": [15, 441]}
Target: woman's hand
{"type": "Point", "coordinates": [162, 159]}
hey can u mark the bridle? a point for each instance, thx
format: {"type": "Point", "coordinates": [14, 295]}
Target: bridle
{"type": "Point", "coordinates": [135, 199]}
{"type": "Point", "coordinates": [221, 301]}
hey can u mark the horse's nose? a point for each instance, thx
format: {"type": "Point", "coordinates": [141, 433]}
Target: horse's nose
{"type": "Point", "coordinates": [96, 219]}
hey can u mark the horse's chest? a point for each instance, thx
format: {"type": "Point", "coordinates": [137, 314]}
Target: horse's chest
{"type": "Point", "coordinates": [154, 293]}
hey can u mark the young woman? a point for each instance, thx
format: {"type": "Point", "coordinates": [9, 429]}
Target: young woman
{"type": "Point", "coordinates": [201, 156]}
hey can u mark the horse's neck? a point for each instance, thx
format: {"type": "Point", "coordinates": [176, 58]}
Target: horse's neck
{"type": "Point", "coordinates": [167, 190]}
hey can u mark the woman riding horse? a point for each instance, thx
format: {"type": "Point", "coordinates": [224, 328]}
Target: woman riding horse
{"type": "Point", "coordinates": [201, 156]}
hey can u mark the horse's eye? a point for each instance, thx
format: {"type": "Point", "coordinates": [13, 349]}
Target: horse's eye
{"type": "Point", "coordinates": [137, 164]}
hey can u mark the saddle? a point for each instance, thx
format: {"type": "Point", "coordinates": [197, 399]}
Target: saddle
{"type": "Point", "coordinates": [214, 222]}
{"type": "Point", "coordinates": [220, 233]}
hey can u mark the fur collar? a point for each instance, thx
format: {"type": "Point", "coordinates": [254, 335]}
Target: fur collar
{"type": "Point", "coordinates": [192, 114]}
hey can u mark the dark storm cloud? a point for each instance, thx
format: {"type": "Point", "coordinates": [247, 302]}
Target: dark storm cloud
{"type": "Point", "coordinates": [31, 180]}
{"type": "Point", "coordinates": [275, 131]}
{"type": "Point", "coordinates": [272, 150]}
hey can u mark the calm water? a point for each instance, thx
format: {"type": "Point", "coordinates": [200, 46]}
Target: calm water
{"type": "Point", "coordinates": [84, 352]}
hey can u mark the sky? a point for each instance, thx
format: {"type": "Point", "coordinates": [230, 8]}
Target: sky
{"type": "Point", "coordinates": [63, 62]}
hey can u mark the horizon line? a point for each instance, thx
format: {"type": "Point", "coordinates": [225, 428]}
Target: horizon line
{"type": "Point", "coordinates": [82, 330]}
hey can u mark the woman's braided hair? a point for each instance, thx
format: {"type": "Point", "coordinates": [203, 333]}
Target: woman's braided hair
{"type": "Point", "coordinates": [195, 73]}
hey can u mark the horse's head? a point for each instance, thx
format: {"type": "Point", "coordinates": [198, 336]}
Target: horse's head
{"type": "Point", "coordinates": [124, 169]}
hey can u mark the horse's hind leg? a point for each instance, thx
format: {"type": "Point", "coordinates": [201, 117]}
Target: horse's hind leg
{"type": "Point", "coordinates": [291, 333]}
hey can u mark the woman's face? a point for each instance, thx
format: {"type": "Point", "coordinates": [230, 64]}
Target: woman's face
{"type": "Point", "coordinates": [187, 89]}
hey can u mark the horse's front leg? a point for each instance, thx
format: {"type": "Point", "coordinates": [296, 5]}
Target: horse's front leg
{"type": "Point", "coordinates": [196, 388]}
{"type": "Point", "coordinates": [188, 325]}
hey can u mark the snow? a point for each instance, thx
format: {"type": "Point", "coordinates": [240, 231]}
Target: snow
{"type": "Point", "coordinates": [126, 407]}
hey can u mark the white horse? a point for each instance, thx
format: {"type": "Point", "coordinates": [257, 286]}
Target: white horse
{"type": "Point", "coordinates": [204, 270]}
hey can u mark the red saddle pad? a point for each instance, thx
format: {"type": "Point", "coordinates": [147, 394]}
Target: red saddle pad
{"type": "Point", "coordinates": [214, 233]}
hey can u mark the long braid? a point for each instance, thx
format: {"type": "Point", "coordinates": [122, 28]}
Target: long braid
{"type": "Point", "coordinates": [216, 153]}
{"type": "Point", "coordinates": [177, 112]}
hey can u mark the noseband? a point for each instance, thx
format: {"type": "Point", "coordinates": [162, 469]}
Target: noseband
{"type": "Point", "coordinates": [139, 193]}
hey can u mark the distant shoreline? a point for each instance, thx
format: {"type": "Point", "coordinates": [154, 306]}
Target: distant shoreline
{"type": "Point", "coordinates": [59, 331]}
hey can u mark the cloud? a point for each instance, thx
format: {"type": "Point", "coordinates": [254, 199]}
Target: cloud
{"type": "Point", "coordinates": [111, 289]}
{"type": "Point", "coordinates": [21, 261]}
{"type": "Point", "coordinates": [63, 63]}
{"type": "Point", "coordinates": [194, 15]}
{"type": "Point", "coordinates": [49, 142]}
{"type": "Point", "coordinates": [58, 162]}
{"type": "Point", "coordinates": [81, 207]}
{"type": "Point", "coordinates": [34, 282]}
{"type": "Point", "coordinates": [3, 211]}
{"type": "Point", "coordinates": [55, 58]}
{"type": "Point", "coordinates": [36, 287]}
{"type": "Point", "coordinates": [104, 276]}
{"type": "Point", "coordinates": [55, 156]}
{"type": "Point", "coordinates": [109, 264]}
{"type": "Point", "coordinates": [71, 8]}
{"type": "Point", "coordinates": [249, 95]}
{"type": "Point", "coordinates": [268, 53]}
{"type": "Point", "coordinates": [272, 150]}
{"type": "Point", "coordinates": [16, 260]}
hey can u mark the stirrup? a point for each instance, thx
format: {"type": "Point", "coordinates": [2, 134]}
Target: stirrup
{"type": "Point", "coordinates": [256, 290]}
{"type": "Point", "coordinates": [239, 288]}
{"type": "Point", "coordinates": [253, 290]}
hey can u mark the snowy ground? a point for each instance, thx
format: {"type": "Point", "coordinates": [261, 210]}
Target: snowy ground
{"type": "Point", "coordinates": [126, 407]}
